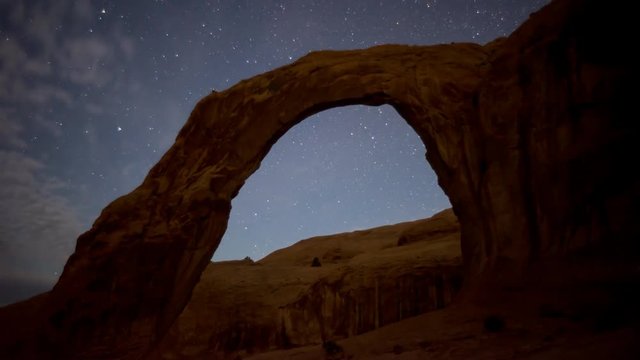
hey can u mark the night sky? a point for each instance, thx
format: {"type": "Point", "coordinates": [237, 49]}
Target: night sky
{"type": "Point", "coordinates": [92, 93]}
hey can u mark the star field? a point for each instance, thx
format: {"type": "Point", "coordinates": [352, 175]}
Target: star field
{"type": "Point", "coordinates": [92, 93]}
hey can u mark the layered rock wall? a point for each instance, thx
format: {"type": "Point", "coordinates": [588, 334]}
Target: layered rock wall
{"type": "Point", "coordinates": [364, 281]}
{"type": "Point", "coordinates": [329, 309]}
{"type": "Point", "coordinates": [354, 304]}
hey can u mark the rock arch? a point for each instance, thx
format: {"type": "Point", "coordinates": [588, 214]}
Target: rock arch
{"type": "Point", "coordinates": [148, 248]}
{"type": "Point", "coordinates": [525, 134]}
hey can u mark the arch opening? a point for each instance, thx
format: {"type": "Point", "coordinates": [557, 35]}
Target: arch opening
{"type": "Point", "coordinates": [339, 171]}
{"type": "Point", "coordinates": [344, 169]}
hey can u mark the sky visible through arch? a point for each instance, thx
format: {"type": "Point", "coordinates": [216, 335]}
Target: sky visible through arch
{"type": "Point", "coordinates": [92, 93]}
{"type": "Point", "coordinates": [343, 169]}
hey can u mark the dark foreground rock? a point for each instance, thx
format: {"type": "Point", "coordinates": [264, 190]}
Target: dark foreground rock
{"type": "Point", "coordinates": [365, 282]}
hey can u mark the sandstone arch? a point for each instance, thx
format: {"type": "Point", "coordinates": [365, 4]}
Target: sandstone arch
{"type": "Point", "coordinates": [525, 134]}
{"type": "Point", "coordinates": [176, 218]}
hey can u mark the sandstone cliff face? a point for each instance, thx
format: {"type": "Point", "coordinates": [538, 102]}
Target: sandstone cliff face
{"type": "Point", "coordinates": [350, 304]}
{"type": "Point", "coordinates": [528, 136]}
{"type": "Point", "coordinates": [552, 129]}
{"type": "Point", "coordinates": [365, 281]}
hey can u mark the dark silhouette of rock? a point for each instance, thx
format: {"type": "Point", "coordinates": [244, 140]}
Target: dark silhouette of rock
{"type": "Point", "coordinates": [493, 323]}
{"type": "Point", "coordinates": [315, 262]}
{"type": "Point", "coordinates": [529, 136]}
{"type": "Point", "coordinates": [332, 349]}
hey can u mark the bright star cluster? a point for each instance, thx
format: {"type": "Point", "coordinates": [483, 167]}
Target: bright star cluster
{"type": "Point", "coordinates": [92, 93]}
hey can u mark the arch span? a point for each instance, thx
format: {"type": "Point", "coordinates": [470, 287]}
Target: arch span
{"type": "Point", "coordinates": [149, 247]}
{"type": "Point", "coordinates": [360, 167]}
{"type": "Point", "coordinates": [526, 135]}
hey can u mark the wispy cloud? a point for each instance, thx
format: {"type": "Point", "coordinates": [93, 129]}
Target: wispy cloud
{"type": "Point", "coordinates": [38, 227]}
{"type": "Point", "coordinates": [35, 50]}
{"type": "Point", "coordinates": [43, 69]}
{"type": "Point", "coordinates": [10, 131]}
{"type": "Point", "coordinates": [85, 59]}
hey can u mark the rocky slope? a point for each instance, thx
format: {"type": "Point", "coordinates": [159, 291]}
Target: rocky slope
{"type": "Point", "coordinates": [582, 306]}
{"type": "Point", "coordinates": [529, 136]}
{"type": "Point", "coordinates": [366, 279]}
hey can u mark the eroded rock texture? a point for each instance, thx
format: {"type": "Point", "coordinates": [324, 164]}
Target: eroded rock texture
{"type": "Point", "coordinates": [366, 281]}
{"type": "Point", "coordinates": [529, 137]}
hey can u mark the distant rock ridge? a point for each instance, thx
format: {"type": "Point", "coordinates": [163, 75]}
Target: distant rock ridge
{"type": "Point", "coordinates": [529, 136]}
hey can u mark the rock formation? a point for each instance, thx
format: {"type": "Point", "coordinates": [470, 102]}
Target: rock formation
{"type": "Point", "coordinates": [366, 281]}
{"type": "Point", "coordinates": [529, 137]}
